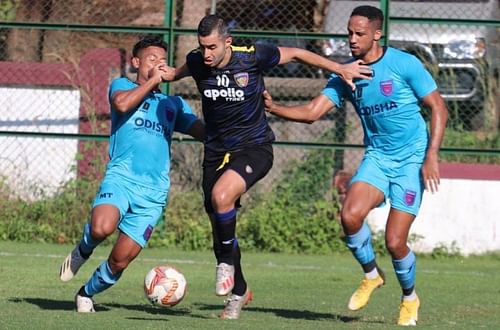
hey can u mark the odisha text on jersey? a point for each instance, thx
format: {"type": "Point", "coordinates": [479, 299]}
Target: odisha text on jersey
{"type": "Point", "coordinates": [371, 110]}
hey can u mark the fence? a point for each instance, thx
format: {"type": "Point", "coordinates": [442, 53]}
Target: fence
{"type": "Point", "coordinates": [57, 58]}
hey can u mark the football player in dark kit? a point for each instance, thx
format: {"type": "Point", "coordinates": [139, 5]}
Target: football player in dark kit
{"type": "Point", "coordinates": [238, 144]}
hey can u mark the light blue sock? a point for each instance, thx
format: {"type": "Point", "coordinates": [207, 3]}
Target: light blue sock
{"type": "Point", "coordinates": [360, 245]}
{"type": "Point", "coordinates": [101, 280]}
{"type": "Point", "coordinates": [406, 270]}
{"type": "Point", "coordinates": [87, 243]}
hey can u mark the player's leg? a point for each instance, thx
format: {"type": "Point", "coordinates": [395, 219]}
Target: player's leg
{"type": "Point", "coordinates": [367, 191]}
{"type": "Point", "coordinates": [213, 168]}
{"type": "Point", "coordinates": [103, 223]}
{"type": "Point", "coordinates": [243, 170]}
{"type": "Point", "coordinates": [406, 195]}
{"type": "Point", "coordinates": [110, 202]}
{"type": "Point", "coordinates": [144, 207]}
{"type": "Point", "coordinates": [108, 273]}
{"type": "Point", "coordinates": [224, 196]}
{"type": "Point", "coordinates": [360, 199]}
{"type": "Point", "coordinates": [404, 262]}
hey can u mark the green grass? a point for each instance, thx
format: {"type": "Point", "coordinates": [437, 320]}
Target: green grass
{"type": "Point", "coordinates": [290, 292]}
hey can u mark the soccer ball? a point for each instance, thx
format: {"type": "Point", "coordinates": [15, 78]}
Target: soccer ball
{"type": "Point", "coordinates": [165, 286]}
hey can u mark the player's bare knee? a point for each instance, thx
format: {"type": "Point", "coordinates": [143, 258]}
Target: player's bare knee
{"type": "Point", "coordinates": [221, 201]}
{"type": "Point", "coordinates": [396, 246]}
{"type": "Point", "coordinates": [117, 266]}
{"type": "Point", "coordinates": [100, 232]}
{"type": "Point", "coordinates": [352, 220]}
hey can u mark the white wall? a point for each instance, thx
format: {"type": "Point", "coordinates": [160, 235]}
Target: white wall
{"type": "Point", "coordinates": [26, 163]}
{"type": "Point", "coordinates": [462, 212]}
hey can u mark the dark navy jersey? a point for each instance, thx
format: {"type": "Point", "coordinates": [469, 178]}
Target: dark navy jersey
{"type": "Point", "coordinates": [232, 101]}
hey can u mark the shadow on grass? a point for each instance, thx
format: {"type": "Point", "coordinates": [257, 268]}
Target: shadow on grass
{"type": "Point", "coordinates": [290, 313]}
{"type": "Point", "coordinates": [51, 304]}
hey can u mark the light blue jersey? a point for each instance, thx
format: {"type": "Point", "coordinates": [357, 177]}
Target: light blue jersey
{"type": "Point", "coordinates": [388, 105]}
{"type": "Point", "coordinates": [396, 135]}
{"type": "Point", "coordinates": [137, 176]}
{"type": "Point", "coordinates": [139, 148]}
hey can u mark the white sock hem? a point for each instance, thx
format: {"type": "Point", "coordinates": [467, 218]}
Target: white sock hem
{"type": "Point", "coordinates": [372, 274]}
{"type": "Point", "coordinates": [411, 296]}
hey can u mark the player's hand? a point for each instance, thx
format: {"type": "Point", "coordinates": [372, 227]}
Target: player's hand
{"type": "Point", "coordinates": [354, 70]}
{"type": "Point", "coordinates": [430, 172]}
{"type": "Point", "coordinates": [268, 101]}
{"type": "Point", "coordinates": [168, 73]}
{"type": "Point", "coordinates": [156, 73]}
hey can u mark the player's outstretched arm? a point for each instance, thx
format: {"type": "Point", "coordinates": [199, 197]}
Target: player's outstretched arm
{"type": "Point", "coordinates": [347, 72]}
{"type": "Point", "coordinates": [181, 72]}
{"type": "Point", "coordinates": [197, 130]}
{"type": "Point", "coordinates": [305, 113]}
{"type": "Point", "coordinates": [124, 101]}
{"type": "Point", "coordinates": [439, 116]}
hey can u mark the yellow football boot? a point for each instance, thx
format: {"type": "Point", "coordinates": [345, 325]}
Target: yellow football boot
{"type": "Point", "coordinates": [361, 296]}
{"type": "Point", "coordinates": [408, 312]}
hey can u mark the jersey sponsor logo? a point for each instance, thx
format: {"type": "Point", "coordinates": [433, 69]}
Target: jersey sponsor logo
{"type": "Point", "coordinates": [410, 197]}
{"type": "Point", "coordinates": [386, 87]}
{"type": "Point", "coordinates": [229, 94]}
{"type": "Point", "coordinates": [371, 110]}
{"type": "Point", "coordinates": [241, 79]}
{"type": "Point", "coordinates": [151, 126]}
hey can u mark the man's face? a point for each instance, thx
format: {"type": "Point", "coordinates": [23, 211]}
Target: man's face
{"type": "Point", "coordinates": [363, 35]}
{"type": "Point", "coordinates": [147, 59]}
{"type": "Point", "coordinates": [214, 48]}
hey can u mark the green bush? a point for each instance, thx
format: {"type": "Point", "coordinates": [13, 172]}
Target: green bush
{"type": "Point", "coordinates": [56, 219]}
{"type": "Point", "coordinates": [185, 224]}
{"type": "Point", "coordinates": [300, 214]}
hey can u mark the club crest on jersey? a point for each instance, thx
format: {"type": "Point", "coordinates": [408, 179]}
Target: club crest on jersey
{"type": "Point", "coordinates": [147, 233]}
{"type": "Point", "coordinates": [386, 87]}
{"type": "Point", "coordinates": [170, 114]}
{"type": "Point", "coordinates": [410, 197]}
{"type": "Point", "coordinates": [241, 79]}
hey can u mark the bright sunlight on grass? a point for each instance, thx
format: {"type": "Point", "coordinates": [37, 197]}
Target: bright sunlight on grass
{"type": "Point", "coordinates": [291, 292]}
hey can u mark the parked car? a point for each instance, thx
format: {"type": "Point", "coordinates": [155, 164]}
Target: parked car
{"type": "Point", "coordinates": [462, 58]}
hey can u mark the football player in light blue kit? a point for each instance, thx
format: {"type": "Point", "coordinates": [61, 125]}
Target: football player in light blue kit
{"type": "Point", "coordinates": [400, 158]}
{"type": "Point", "coordinates": [134, 190]}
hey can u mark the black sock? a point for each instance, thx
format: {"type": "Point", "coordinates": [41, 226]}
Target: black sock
{"type": "Point", "coordinates": [240, 285]}
{"type": "Point", "coordinates": [225, 226]}
{"type": "Point", "coordinates": [82, 292]}
{"type": "Point", "coordinates": [84, 255]}
{"type": "Point", "coordinates": [369, 266]}
{"type": "Point", "coordinates": [407, 292]}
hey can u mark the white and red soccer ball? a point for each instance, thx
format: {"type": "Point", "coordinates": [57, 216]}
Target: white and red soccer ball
{"type": "Point", "coordinates": [165, 286]}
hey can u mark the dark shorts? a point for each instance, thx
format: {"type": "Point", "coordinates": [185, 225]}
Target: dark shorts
{"type": "Point", "coordinates": [252, 164]}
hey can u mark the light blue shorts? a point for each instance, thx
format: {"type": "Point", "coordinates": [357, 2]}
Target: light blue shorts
{"type": "Point", "coordinates": [400, 181]}
{"type": "Point", "coordinates": [140, 207]}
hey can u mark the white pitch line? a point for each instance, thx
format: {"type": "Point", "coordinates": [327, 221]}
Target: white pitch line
{"type": "Point", "coordinates": [269, 264]}
{"type": "Point", "coordinates": [158, 260]}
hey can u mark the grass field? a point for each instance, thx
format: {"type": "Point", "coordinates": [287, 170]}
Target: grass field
{"type": "Point", "coordinates": [290, 292]}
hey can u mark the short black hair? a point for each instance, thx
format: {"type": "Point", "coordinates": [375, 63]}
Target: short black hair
{"type": "Point", "coordinates": [372, 13]}
{"type": "Point", "coordinates": [210, 23]}
{"type": "Point", "coordinates": [148, 41]}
